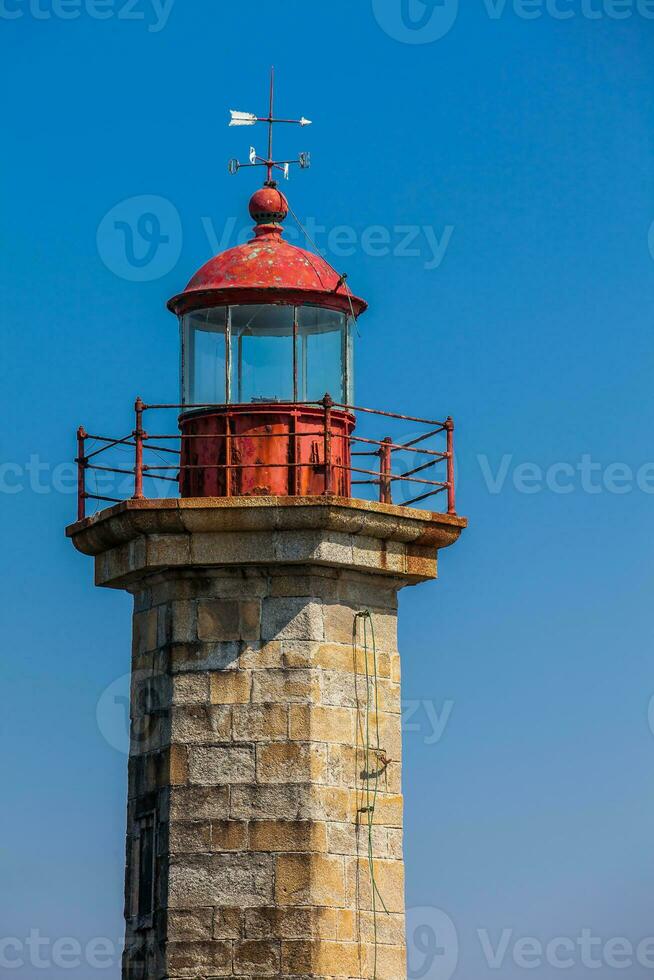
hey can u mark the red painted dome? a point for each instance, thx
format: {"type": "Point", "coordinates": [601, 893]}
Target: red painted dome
{"type": "Point", "coordinates": [267, 269]}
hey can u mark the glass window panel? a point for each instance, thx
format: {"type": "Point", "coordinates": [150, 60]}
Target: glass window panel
{"type": "Point", "coordinates": [321, 353]}
{"type": "Point", "coordinates": [349, 360]}
{"type": "Point", "coordinates": [204, 357]}
{"type": "Point", "coordinates": [262, 353]}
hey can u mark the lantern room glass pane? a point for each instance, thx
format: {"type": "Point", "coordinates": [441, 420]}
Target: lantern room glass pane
{"type": "Point", "coordinates": [204, 357]}
{"type": "Point", "coordinates": [262, 354]}
{"type": "Point", "coordinates": [323, 366]}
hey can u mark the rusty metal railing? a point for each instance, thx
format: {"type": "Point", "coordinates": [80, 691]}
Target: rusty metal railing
{"type": "Point", "coordinates": [384, 477]}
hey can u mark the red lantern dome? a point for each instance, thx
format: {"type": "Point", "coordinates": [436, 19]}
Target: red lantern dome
{"type": "Point", "coordinates": [267, 269]}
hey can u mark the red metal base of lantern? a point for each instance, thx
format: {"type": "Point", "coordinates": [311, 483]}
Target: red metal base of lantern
{"type": "Point", "coordinates": [265, 450]}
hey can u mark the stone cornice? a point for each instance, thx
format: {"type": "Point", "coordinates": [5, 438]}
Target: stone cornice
{"type": "Point", "coordinates": [140, 537]}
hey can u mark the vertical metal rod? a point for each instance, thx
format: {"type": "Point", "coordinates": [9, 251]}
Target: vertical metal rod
{"type": "Point", "coordinates": [81, 473]}
{"type": "Point", "coordinates": [451, 496]}
{"type": "Point", "coordinates": [385, 469]}
{"type": "Point", "coordinates": [139, 436]}
{"type": "Point", "coordinates": [327, 442]}
{"type": "Point", "coordinates": [295, 358]}
{"type": "Point", "coordinates": [228, 356]}
{"type": "Point", "coordinates": [228, 455]}
{"type": "Point", "coordinates": [270, 123]}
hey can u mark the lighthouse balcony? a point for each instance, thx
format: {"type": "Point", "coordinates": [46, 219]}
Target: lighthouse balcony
{"type": "Point", "coordinates": [269, 448]}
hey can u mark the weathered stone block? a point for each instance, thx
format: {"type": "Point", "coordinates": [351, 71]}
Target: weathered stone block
{"type": "Point", "coordinates": [229, 835]}
{"type": "Point", "coordinates": [220, 765]}
{"type": "Point", "coordinates": [322, 959]}
{"type": "Point", "coordinates": [189, 838]}
{"type": "Point", "coordinates": [144, 633]}
{"type": "Point", "coordinates": [203, 802]}
{"type": "Point", "coordinates": [228, 924]}
{"type": "Point", "coordinates": [291, 618]}
{"type": "Point", "coordinates": [286, 802]}
{"type": "Point", "coordinates": [179, 770]}
{"type": "Point", "coordinates": [194, 959]}
{"type": "Point", "coordinates": [288, 835]}
{"type": "Point", "coordinates": [260, 722]}
{"type": "Point", "coordinates": [310, 879]}
{"type": "Point", "coordinates": [291, 762]}
{"type": "Point", "coordinates": [219, 619]}
{"type": "Point", "coordinates": [183, 622]}
{"type": "Point", "coordinates": [226, 880]}
{"type": "Point", "coordinates": [190, 689]}
{"type": "Point", "coordinates": [261, 656]}
{"type": "Point", "coordinates": [389, 876]}
{"type": "Point", "coordinates": [188, 657]}
{"type": "Point", "coordinates": [257, 958]}
{"type": "Point", "coordinates": [292, 923]}
{"type": "Point", "coordinates": [230, 687]}
{"type": "Point", "coordinates": [190, 924]}
{"type": "Point", "coordinates": [322, 723]}
{"type": "Point", "coordinates": [250, 621]}
{"type": "Point", "coordinates": [285, 686]}
{"type": "Point", "coordinates": [191, 724]}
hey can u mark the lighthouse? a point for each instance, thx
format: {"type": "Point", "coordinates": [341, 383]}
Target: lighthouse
{"type": "Point", "coordinates": [265, 816]}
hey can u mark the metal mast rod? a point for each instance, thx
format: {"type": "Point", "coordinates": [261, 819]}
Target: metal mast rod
{"type": "Point", "coordinates": [271, 116]}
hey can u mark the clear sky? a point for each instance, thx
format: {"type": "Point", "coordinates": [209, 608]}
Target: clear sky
{"type": "Point", "coordinates": [514, 146]}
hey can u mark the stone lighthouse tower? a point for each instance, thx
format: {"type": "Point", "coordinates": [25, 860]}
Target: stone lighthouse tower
{"type": "Point", "coordinates": [264, 825]}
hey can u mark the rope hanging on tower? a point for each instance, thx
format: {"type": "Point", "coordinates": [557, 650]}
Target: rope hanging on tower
{"type": "Point", "coordinates": [373, 752]}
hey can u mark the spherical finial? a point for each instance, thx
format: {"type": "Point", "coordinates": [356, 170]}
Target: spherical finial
{"type": "Point", "coordinates": [268, 206]}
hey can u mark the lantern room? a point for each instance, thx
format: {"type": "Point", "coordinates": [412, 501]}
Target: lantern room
{"type": "Point", "coordinates": [267, 383]}
{"type": "Point", "coordinates": [266, 332]}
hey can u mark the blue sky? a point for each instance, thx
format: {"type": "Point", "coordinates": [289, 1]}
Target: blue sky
{"type": "Point", "coordinates": [516, 150]}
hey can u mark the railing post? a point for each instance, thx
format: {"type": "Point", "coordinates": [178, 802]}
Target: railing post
{"type": "Point", "coordinates": [385, 470]}
{"type": "Point", "coordinates": [81, 473]}
{"type": "Point", "coordinates": [451, 495]}
{"type": "Point", "coordinates": [139, 436]}
{"type": "Point", "coordinates": [228, 455]}
{"type": "Point", "coordinates": [328, 403]}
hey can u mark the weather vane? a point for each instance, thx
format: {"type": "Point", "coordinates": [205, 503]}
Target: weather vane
{"type": "Point", "coordinates": [249, 119]}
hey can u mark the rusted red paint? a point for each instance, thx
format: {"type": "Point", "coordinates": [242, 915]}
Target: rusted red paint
{"type": "Point", "coordinates": [267, 269]}
{"type": "Point", "coordinates": [264, 450]}
{"type": "Point", "coordinates": [268, 206]}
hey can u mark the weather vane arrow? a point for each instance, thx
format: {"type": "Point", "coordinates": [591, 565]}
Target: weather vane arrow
{"type": "Point", "coordinates": [250, 119]}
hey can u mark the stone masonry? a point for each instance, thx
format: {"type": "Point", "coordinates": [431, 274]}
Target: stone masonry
{"type": "Point", "coordinates": [247, 847]}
